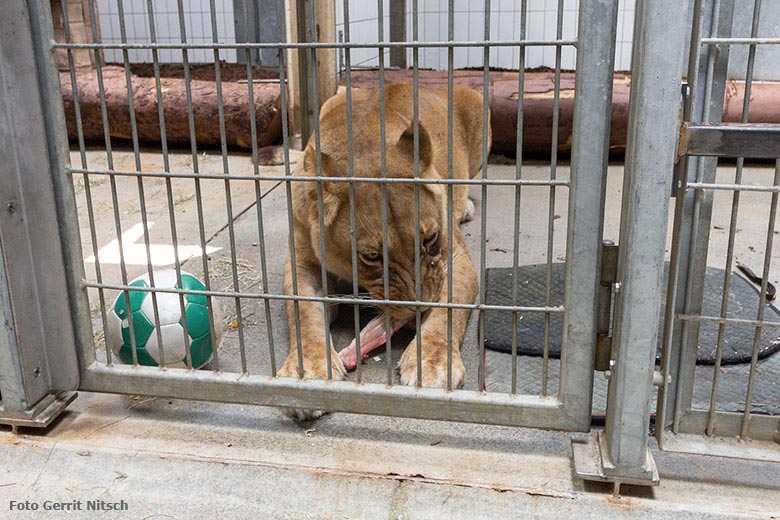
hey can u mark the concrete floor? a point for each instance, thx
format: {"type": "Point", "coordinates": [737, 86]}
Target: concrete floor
{"type": "Point", "coordinates": [179, 459]}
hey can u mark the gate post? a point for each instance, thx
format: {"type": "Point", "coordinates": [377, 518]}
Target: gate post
{"type": "Point", "coordinates": [707, 74]}
{"type": "Point", "coordinates": [620, 452]}
{"type": "Point", "coordinates": [38, 356]}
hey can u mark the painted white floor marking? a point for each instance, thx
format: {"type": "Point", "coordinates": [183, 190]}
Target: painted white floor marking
{"type": "Point", "coordinates": [135, 254]}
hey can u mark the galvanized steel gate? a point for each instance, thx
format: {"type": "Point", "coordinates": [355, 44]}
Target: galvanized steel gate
{"type": "Point", "coordinates": [48, 348]}
{"type": "Point", "coordinates": [708, 427]}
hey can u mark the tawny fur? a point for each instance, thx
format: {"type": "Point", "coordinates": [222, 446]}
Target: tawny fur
{"type": "Point", "coordinates": [366, 154]}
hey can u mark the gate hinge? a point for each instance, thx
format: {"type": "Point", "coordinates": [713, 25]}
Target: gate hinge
{"type": "Point", "coordinates": [607, 289]}
{"type": "Point", "coordinates": [679, 165]}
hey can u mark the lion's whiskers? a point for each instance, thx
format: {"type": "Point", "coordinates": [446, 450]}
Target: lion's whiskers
{"type": "Point", "coordinates": [455, 256]}
{"type": "Point", "coordinates": [368, 226]}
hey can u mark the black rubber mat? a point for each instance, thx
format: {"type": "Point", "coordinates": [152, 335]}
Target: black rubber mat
{"type": "Point", "coordinates": [532, 327]}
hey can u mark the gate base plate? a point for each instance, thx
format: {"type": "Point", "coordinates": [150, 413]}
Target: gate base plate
{"type": "Point", "coordinates": [590, 464]}
{"type": "Point", "coordinates": [42, 414]}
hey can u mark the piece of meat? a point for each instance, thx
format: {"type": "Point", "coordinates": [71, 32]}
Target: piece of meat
{"type": "Point", "coordinates": [372, 336]}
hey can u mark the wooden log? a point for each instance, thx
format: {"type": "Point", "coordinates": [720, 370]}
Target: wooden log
{"type": "Point", "coordinates": [764, 102]}
{"type": "Point", "coordinates": [204, 103]}
{"type": "Point", "coordinates": [538, 103]}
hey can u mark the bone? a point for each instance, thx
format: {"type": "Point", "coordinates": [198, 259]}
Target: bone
{"type": "Point", "coordinates": [372, 336]}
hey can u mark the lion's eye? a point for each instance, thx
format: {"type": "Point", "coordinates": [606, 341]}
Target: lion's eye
{"type": "Point", "coordinates": [371, 256]}
{"type": "Point", "coordinates": [431, 241]}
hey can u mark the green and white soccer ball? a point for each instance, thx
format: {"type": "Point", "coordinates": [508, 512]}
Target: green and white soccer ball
{"type": "Point", "coordinates": [170, 323]}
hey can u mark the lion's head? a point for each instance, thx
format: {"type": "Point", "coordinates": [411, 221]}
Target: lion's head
{"type": "Point", "coordinates": [401, 230]}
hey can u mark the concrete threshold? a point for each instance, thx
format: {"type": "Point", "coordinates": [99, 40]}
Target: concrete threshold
{"type": "Point", "coordinates": [178, 459]}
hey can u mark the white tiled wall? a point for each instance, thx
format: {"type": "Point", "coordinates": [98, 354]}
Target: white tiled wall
{"type": "Point", "coordinates": [625, 32]}
{"type": "Point", "coordinates": [363, 27]}
{"type": "Point", "coordinates": [468, 24]}
{"type": "Point", "coordinates": [197, 19]}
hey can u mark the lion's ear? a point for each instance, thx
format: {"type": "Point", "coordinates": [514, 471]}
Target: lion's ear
{"type": "Point", "coordinates": [309, 161]}
{"type": "Point", "coordinates": [331, 201]}
{"type": "Point", "coordinates": [405, 144]}
{"type": "Point", "coordinates": [332, 192]}
{"type": "Point", "coordinates": [329, 165]}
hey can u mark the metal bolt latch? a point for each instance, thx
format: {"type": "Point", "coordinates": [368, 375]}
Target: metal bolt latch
{"type": "Point", "coordinates": [608, 373]}
{"type": "Point", "coordinates": [658, 378]}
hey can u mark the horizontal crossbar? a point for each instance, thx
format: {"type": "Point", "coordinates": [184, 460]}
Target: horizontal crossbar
{"type": "Point", "coordinates": [336, 396]}
{"type": "Point", "coordinates": [759, 141]}
{"type": "Point", "coordinates": [320, 45]}
{"type": "Point", "coordinates": [330, 299]}
{"type": "Point", "coordinates": [309, 178]}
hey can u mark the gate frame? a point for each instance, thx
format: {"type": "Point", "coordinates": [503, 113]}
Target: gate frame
{"type": "Point", "coordinates": [624, 456]}
{"type": "Point", "coordinates": [620, 453]}
{"type": "Point", "coordinates": [704, 139]}
{"type": "Point", "coordinates": [38, 354]}
{"type": "Point", "coordinates": [707, 72]}
{"type": "Point", "coordinates": [570, 410]}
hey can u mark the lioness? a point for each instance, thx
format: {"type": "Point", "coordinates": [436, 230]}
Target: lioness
{"type": "Point", "coordinates": [467, 161]}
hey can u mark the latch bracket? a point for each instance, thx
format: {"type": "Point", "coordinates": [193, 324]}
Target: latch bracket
{"type": "Point", "coordinates": [607, 289]}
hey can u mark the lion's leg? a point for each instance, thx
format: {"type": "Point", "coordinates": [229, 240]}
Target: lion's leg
{"type": "Point", "coordinates": [313, 330]}
{"type": "Point", "coordinates": [434, 328]}
{"type": "Point", "coordinates": [468, 211]}
{"type": "Point", "coordinates": [312, 327]}
{"type": "Point", "coordinates": [463, 206]}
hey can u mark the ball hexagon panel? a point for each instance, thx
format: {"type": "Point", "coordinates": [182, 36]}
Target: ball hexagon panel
{"type": "Point", "coordinates": [173, 344]}
{"type": "Point", "coordinates": [190, 283]}
{"type": "Point", "coordinates": [164, 278]}
{"type": "Point", "coordinates": [114, 338]}
{"type": "Point", "coordinates": [126, 356]}
{"type": "Point", "coordinates": [136, 299]}
{"type": "Point", "coordinates": [198, 322]}
{"type": "Point", "coordinates": [200, 350]}
{"type": "Point", "coordinates": [168, 308]}
{"type": "Point", "coordinates": [142, 326]}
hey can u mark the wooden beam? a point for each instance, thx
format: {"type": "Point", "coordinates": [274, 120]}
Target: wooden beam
{"type": "Point", "coordinates": [299, 81]}
{"type": "Point", "coordinates": [295, 98]}
{"type": "Point", "coordinates": [327, 78]}
{"type": "Point", "coordinates": [398, 32]}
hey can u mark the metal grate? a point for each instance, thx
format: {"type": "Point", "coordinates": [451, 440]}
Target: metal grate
{"type": "Point", "coordinates": [254, 305]}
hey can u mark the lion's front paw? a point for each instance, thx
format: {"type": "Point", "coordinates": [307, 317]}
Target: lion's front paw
{"type": "Point", "coordinates": [434, 366]}
{"type": "Point", "coordinates": [304, 415]}
{"type": "Point", "coordinates": [314, 367]}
